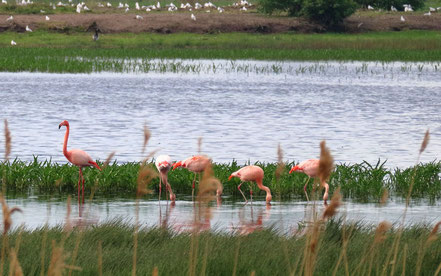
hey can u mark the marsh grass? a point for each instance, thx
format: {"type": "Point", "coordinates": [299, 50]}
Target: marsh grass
{"type": "Point", "coordinates": [43, 51]}
{"type": "Point", "coordinates": [363, 181]}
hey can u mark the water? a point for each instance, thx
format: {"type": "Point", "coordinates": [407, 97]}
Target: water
{"type": "Point", "coordinates": [365, 111]}
{"type": "Point", "coordinates": [227, 216]}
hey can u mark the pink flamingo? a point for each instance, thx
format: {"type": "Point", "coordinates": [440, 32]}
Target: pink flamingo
{"type": "Point", "coordinates": [78, 158]}
{"type": "Point", "coordinates": [196, 164]}
{"type": "Point", "coordinates": [252, 173]}
{"type": "Point", "coordinates": [311, 167]}
{"type": "Point", "coordinates": [163, 164]}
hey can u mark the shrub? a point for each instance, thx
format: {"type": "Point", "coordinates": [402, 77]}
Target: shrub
{"type": "Point", "coordinates": [326, 12]}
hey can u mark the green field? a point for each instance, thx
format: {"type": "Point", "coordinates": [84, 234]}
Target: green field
{"type": "Point", "coordinates": [332, 248]}
{"type": "Point", "coordinates": [363, 181]}
{"type": "Point", "coordinates": [75, 52]}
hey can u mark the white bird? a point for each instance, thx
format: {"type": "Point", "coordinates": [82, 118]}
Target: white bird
{"type": "Point", "coordinates": [100, 5]}
{"type": "Point", "coordinates": [438, 9]}
{"type": "Point", "coordinates": [120, 6]}
{"type": "Point", "coordinates": [370, 7]}
{"type": "Point", "coordinates": [10, 18]}
{"type": "Point", "coordinates": [127, 9]}
{"type": "Point", "coordinates": [126, 5]}
{"type": "Point", "coordinates": [392, 8]}
{"type": "Point", "coordinates": [137, 6]}
{"type": "Point", "coordinates": [158, 5]}
{"type": "Point", "coordinates": [42, 11]}
{"type": "Point", "coordinates": [4, 2]}
{"type": "Point", "coordinates": [47, 18]}
{"type": "Point", "coordinates": [148, 10]}
{"type": "Point", "coordinates": [243, 8]}
{"type": "Point", "coordinates": [220, 9]}
{"type": "Point", "coordinates": [108, 4]}
{"type": "Point", "coordinates": [139, 17]}
{"type": "Point", "coordinates": [197, 6]}
{"type": "Point", "coordinates": [402, 19]}
{"type": "Point", "coordinates": [28, 29]}
{"type": "Point", "coordinates": [432, 9]}
{"type": "Point", "coordinates": [79, 8]}
{"type": "Point", "coordinates": [13, 43]}
{"type": "Point", "coordinates": [428, 13]}
{"type": "Point", "coordinates": [193, 17]}
{"type": "Point", "coordinates": [86, 8]}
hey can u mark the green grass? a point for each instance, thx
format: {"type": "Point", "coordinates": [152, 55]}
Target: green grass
{"type": "Point", "coordinates": [44, 51]}
{"type": "Point", "coordinates": [363, 181]}
{"type": "Point", "coordinates": [264, 252]}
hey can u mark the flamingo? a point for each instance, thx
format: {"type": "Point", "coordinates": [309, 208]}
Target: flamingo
{"type": "Point", "coordinates": [78, 158]}
{"type": "Point", "coordinates": [252, 173]}
{"type": "Point", "coordinates": [196, 164]}
{"type": "Point", "coordinates": [310, 167]}
{"type": "Point", "coordinates": [163, 164]}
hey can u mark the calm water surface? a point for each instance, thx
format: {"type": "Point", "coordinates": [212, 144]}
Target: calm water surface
{"type": "Point", "coordinates": [228, 216]}
{"type": "Point", "coordinates": [365, 111]}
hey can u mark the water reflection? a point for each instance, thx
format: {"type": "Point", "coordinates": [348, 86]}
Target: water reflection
{"type": "Point", "coordinates": [228, 216]}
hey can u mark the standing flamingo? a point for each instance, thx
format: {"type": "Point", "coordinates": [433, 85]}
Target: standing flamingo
{"type": "Point", "coordinates": [78, 158]}
{"type": "Point", "coordinates": [196, 164]}
{"type": "Point", "coordinates": [252, 173]}
{"type": "Point", "coordinates": [163, 164]}
{"type": "Point", "coordinates": [310, 167]}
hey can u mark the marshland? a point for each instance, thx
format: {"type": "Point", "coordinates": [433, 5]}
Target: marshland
{"type": "Point", "coordinates": [243, 88]}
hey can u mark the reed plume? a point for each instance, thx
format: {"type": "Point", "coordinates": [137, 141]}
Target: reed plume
{"type": "Point", "coordinates": [331, 209]}
{"type": "Point", "coordinates": [425, 141]}
{"type": "Point", "coordinates": [147, 135]}
{"type": "Point", "coordinates": [434, 233]}
{"type": "Point", "coordinates": [7, 213]}
{"type": "Point", "coordinates": [280, 164]}
{"type": "Point", "coordinates": [326, 164]}
{"type": "Point", "coordinates": [109, 158]}
{"type": "Point", "coordinates": [7, 141]}
{"type": "Point", "coordinates": [380, 232]}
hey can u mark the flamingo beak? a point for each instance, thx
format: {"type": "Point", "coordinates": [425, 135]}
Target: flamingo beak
{"type": "Point", "coordinates": [229, 178]}
{"type": "Point", "coordinates": [59, 126]}
{"type": "Point", "coordinates": [177, 164]}
{"type": "Point", "coordinates": [295, 168]}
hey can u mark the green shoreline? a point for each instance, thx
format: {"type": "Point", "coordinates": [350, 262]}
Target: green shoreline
{"type": "Point", "coordinates": [364, 182]}
{"type": "Point", "coordinates": [345, 248]}
{"type": "Point", "coordinates": [44, 51]}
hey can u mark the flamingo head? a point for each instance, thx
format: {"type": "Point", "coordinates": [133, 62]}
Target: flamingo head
{"type": "Point", "coordinates": [233, 175]}
{"type": "Point", "coordinates": [178, 164]}
{"type": "Point", "coordinates": [63, 123]}
{"type": "Point", "coordinates": [295, 168]}
{"type": "Point", "coordinates": [268, 198]}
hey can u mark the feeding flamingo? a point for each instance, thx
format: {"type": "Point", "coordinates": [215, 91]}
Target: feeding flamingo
{"type": "Point", "coordinates": [196, 164]}
{"type": "Point", "coordinates": [163, 164]}
{"type": "Point", "coordinates": [252, 173]}
{"type": "Point", "coordinates": [77, 157]}
{"type": "Point", "coordinates": [310, 167]}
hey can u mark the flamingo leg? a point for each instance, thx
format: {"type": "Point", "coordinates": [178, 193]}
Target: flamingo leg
{"type": "Point", "coordinates": [238, 187]}
{"type": "Point", "coordinates": [160, 185]}
{"type": "Point", "coordinates": [82, 197]}
{"type": "Point", "coordinates": [304, 188]}
{"type": "Point", "coordinates": [170, 191]}
{"type": "Point", "coordinates": [251, 194]}
{"type": "Point", "coordinates": [192, 187]}
{"type": "Point", "coordinates": [79, 183]}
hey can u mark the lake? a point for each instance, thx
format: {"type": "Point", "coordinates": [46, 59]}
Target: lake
{"type": "Point", "coordinates": [241, 109]}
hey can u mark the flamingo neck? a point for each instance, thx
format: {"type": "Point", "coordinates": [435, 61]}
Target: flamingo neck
{"type": "Point", "coordinates": [66, 137]}
{"type": "Point", "coordinates": [265, 188]}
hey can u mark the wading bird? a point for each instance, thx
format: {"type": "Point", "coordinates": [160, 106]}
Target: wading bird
{"type": "Point", "coordinates": [196, 164]}
{"type": "Point", "coordinates": [163, 164]}
{"type": "Point", "coordinates": [310, 167]}
{"type": "Point", "coordinates": [28, 29]}
{"type": "Point", "coordinates": [252, 173]}
{"type": "Point", "coordinates": [78, 158]}
{"type": "Point", "coordinates": [13, 43]}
